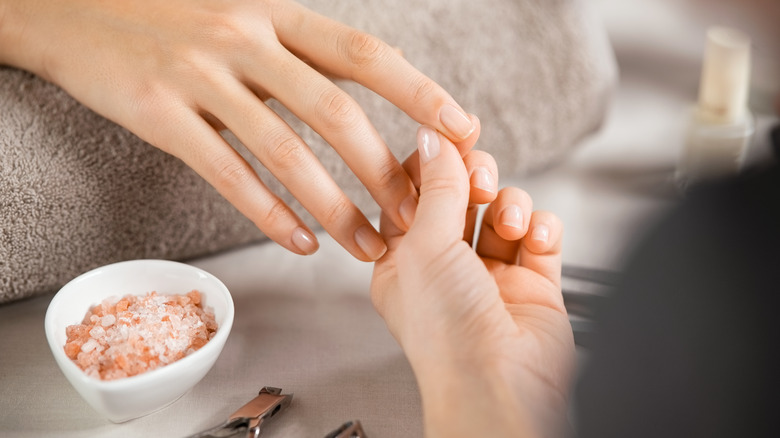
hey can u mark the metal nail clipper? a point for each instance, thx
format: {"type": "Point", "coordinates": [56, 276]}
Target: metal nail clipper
{"type": "Point", "coordinates": [248, 421]}
{"type": "Point", "coordinates": [350, 429]}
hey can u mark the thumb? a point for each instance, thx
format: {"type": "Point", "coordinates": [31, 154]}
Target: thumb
{"type": "Point", "coordinates": [444, 190]}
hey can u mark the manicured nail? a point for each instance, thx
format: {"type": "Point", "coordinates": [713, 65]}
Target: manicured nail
{"type": "Point", "coordinates": [482, 179]}
{"type": "Point", "coordinates": [427, 143]}
{"type": "Point", "coordinates": [407, 209]}
{"type": "Point", "coordinates": [541, 233]}
{"type": "Point", "coordinates": [512, 216]}
{"type": "Point", "coordinates": [456, 122]}
{"type": "Point", "coordinates": [370, 242]}
{"type": "Point", "coordinates": [304, 241]}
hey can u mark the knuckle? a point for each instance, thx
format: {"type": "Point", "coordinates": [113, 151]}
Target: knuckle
{"type": "Point", "coordinates": [421, 89]}
{"type": "Point", "coordinates": [151, 115]}
{"type": "Point", "coordinates": [286, 152]}
{"type": "Point", "coordinates": [232, 174]}
{"type": "Point", "coordinates": [390, 174]}
{"type": "Point", "coordinates": [274, 214]}
{"type": "Point", "coordinates": [227, 30]}
{"type": "Point", "coordinates": [336, 109]}
{"type": "Point", "coordinates": [337, 212]}
{"type": "Point", "coordinates": [441, 187]}
{"type": "Point", "coordinates": [363, 50]}
{"type": "Point", "coordinates": [144, 100]}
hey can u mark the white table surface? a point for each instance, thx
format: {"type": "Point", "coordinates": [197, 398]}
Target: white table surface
{"type": "Point", "coordinates": [306, 324]}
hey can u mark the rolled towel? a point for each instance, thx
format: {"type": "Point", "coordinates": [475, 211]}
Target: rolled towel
{"type": "Point", "coordinates": [77, 191]}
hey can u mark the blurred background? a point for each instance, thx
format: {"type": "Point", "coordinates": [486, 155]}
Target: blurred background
{"type": "Point", "coordinates": [618, 181]}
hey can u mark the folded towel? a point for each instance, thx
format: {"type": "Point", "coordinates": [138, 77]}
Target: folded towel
{"type": "Point", "coordinates": [77, 191]}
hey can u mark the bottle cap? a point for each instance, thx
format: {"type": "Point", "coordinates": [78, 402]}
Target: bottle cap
{"type": "Point", "coordinates": [725, 76]}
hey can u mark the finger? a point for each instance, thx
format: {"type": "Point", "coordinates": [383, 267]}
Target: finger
{"type": "Point", "coordinates": [444, 191]}
{"type": "Point", "coordinates": [541, 247]}
{"type": "Point", "coordinates": [291, 161]}
{"type": "Point", "coordinates": [389, 231]}
{"type": "Point", "coordinates": [371, 62]}
{"type": "Point", "coordinates": [412, 165]}
{"type": "Point", "coordinates": [483, 182]}
{"type": "Point", "coordinates": [504, 223]}
{"type": "Point", "coordinates": [483, 176]}
{"type": "Point", "coordinates": [195, 142]}
{"type": "Point", "coordinates": [325, 72]}
{"type": "Point", "coordinates": [510, 213]}
{"type": "Point", "coordinates": [334, 115]}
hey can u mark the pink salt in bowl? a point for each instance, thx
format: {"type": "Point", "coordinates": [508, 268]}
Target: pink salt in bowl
{"type": "Point", "coordinates": [132, 397]}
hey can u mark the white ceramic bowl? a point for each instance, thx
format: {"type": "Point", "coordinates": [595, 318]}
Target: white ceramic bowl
{"type": "Point", "coordinates": [124, 399]}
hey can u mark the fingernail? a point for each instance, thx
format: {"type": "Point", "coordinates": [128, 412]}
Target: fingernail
{"type": "Point", "coordinates": [407, 209]}
{"type": "Point", "coordinates": [427, 143]}
{"type": "Point", "coordinates": [456, 122]}
{"type": "Point", "coordinates": [541, 233]}
{"type": "Point", "coordinates": [482, 179]}
{"type": "Point", "coordinates": [512, 216]}
{"type": "Point", "coordinates": [304, 241]}
{"type": "Point", "coordinates": [370, 242]}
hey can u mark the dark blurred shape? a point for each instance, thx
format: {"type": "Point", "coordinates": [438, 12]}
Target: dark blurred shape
{"type": "Point", "coordinates": [774, 135]}
{"type": "Point", "coordinates": [688, 344]}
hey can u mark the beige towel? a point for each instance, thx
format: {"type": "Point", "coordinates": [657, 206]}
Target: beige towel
{"type": "Point", "coordinates": [77, 191]}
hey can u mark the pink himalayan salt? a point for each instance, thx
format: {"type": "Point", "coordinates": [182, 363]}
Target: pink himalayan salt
{"type": "Point", "coordinates": [139, 333]}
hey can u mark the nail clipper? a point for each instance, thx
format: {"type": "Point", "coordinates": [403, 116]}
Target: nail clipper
{"type": "Point", "coordinates": [248, 421]}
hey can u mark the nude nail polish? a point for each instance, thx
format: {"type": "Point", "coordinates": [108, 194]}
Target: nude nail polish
{"type": "Point", "coordinates": [427, 143]}
{"type": "Point", "coordinates": [541, 233]}
{"type": "Point", "coordinates": [512, 216]}
{"type": "Point", "coordinates": [482, 179]}
{"type": "Point", "coordinates": [456, 122]}
{"type": "Point", "coordinates": [304, 241]}
{"type": "Point", "coordinates": [370, 242]}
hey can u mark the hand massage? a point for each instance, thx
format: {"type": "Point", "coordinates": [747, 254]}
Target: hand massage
{"type": "Point", "coordinates": [312, 218]}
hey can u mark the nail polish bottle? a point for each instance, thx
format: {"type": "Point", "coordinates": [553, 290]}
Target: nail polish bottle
{"type": "Point", "coordinates": [720, 126]}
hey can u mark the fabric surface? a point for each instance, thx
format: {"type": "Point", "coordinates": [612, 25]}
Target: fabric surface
{"type": "Point", "coordinates": [77, 191]}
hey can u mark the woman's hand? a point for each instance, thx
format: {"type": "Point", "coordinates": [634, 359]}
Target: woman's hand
{"type": "Point", "coordinates": [175, 72]}
{"type": "Point", "coordinates": [485, 331]}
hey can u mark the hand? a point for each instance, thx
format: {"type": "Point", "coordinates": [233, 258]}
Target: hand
{"type": "Point", "coordinates": [486, 332]}
{"type": "Point", "coordinates": [175, 72]}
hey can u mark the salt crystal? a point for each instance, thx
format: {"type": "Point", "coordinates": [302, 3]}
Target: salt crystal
{"type": "Point", "coordinates": [97, 333]}
{"type": "Point", "coordinates": [108, 320]}
{"type": "Point", "coordinates": [139, 333]}
{"type": "Point", "coordinates": [89, 346]}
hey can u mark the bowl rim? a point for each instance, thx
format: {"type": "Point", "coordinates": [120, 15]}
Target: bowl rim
{"type": "Point", "coordinates": [146, 378]}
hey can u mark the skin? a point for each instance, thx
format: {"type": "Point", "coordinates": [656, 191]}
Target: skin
{"type": "Point", "coordinates": [485, 330]}
{"type": "Point", "coordinates": [483, 323]}
{"type": "Point", "coordinates": [176, 72]}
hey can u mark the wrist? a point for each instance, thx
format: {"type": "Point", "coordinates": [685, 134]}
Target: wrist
{"type": "Point", "coordinates": [474, 392]}
{"type": "Point", "coordinates": [17, 36]}
{"type": "Point", "coordinates": [460, 400]}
